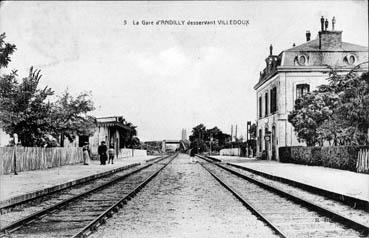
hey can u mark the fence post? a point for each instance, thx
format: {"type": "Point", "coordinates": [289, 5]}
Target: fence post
{"type": "Point", "coordinates": [15, 153]}
{"type": "Point", "coordinates": [15, 160]}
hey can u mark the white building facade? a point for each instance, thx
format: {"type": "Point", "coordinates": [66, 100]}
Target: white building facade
{"type": "Point", "coordinates": [293, 73]}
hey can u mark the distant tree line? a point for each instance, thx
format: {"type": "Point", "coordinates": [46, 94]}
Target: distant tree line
{"type": "Point", "coordinates": [202, 139]}
{"type": "Point", "coordinates": [336, 113]}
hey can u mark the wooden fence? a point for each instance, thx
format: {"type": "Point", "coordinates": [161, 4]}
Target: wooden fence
{"type": "Point", "coordinates": [33, 158]}
{"type": "Point", "coordinates": [362, 164]}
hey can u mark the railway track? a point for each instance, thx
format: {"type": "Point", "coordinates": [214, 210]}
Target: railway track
{"type": "Point", "coordinates": [15, 211]}
{"type": "Point", "coordinates": [286, 214]}
{"type": "Point", "coordinates": [80, 215]}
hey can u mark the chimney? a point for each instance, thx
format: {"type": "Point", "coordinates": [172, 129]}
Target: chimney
{"type": "Point", "coordinates": [326, 24]}
{"type": "Point", "coordinates": [322, 23]}
{"type": "Point", "coordinates": [308, 35]}
{"type": "Point", "coordinates": [270, 49]}
{"type": "Point", "coordinates": [329, 40]}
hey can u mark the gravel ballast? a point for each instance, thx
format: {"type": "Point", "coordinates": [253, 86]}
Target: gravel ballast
{"type": "Point", "coordinates": [184, 200]}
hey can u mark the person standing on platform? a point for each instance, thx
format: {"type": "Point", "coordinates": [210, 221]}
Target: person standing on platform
{"type": "Point", "coordinates": [101, 150]}
{"type": "Point", "coordinates": [192, 155]}
{"type": "Point", "coordinates": [86, 154]}
{"type": "Point", "coordinates": [111, 154]}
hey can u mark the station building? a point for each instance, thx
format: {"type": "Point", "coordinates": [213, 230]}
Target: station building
{"type": "Point", "coordinates": [293, 73]}
{"type": "Point", "coordinates": [112, 130]}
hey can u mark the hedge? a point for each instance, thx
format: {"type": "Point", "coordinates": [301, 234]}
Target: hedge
{"type": "Point", "coordinates": [339, 157]}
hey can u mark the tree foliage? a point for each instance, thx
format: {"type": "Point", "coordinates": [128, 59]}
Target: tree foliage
{"type": "Point", "coordinates": [6, 49]}
{"type": "Point", "coordinates": [201, 137]}
{"type": "Point", "coordinates": [337, 112]}
{"type": "Point", "coordinates": [70, 116]}
{"type": "Point", "coordinates": [25, 108]}
{"type": "Point", "coordinates": [130, 137]}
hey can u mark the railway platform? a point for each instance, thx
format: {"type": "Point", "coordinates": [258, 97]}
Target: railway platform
{"type": "Point", "coordinates": [336, 182]}
{"type": "Point", "coordinates": [30, 184]}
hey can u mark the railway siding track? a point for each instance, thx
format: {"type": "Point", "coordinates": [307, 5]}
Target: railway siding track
{"type": "Point", "coordinates": [18, 212]}
{"type": "Point", "coordinates": [101, 219]}
{"type": "Point", "coordinates": [343, 209]}
{"type": "Point", "coordinates": [247, 204]}
{"type": "Point", "coordinates": [263, 197]}
{"type": "Point", "coordinates": [21, 210]}
{"type": "Point", "coordinates": [344, 199]}
{"type": "Point", "coordinates": [69, 216]}
{"type": "Point", "coordinates": [43, 195]}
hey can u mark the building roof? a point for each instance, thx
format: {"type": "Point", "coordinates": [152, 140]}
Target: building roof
{"type": "Point", "coordinates": [315, 55]}
{"type": "Point", "coordinates": [114, 121]}
{"type": "Point", "coordinates": [313, 45]}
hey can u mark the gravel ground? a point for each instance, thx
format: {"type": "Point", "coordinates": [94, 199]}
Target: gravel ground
{"type": "Point", "coordinates": [184, 201]}
{"type": "Point", "coordinates": [345, 210]}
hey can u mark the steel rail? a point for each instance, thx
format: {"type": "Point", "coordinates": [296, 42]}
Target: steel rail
{"type": "Point", "coordinates": [247, 204]}
{"type": "Point", "coordinates": [19, 223]}
{"type": "Point", "coordinates": [356, 225]}
{"type": "Point", "coordinates": [101, 219]}
{"type": "Point", "coordinates": [9, 207]}
{"type": "Point", "coordinates": [354, 202]}
{"type": "Point", "coordinates": [6, 208]}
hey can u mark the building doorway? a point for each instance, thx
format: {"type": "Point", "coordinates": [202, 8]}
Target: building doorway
{"type": "Point", "coordinates": [82, 140]}
{"type": "Point", "coordinates": [267, 141]}
{"type": "Point", "coordinates": [274, 144]}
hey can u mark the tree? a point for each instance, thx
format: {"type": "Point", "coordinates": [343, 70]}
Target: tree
{"type": "Point", "coordinates": [6, 49]}
{"type": "Point", "coordinates": [70, 116]}
{"type": "Point", "coordinates": [335, 112]}
{"type": "Point", "coordinates": [251, 143]}
{"type": "Point", "coordinates": [309, 113]}
{"type": "Point", "coordinates": [129, 136]}
{"type": "Point", "coordinates": [352, 110]}
{"type": "Point", "coordinates": [200, 138]}
{"type": "Point", "coordinates": [24, 109]}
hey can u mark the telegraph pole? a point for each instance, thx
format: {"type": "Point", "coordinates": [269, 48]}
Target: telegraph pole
{"type": "Point", "coordinates": [231, 136]}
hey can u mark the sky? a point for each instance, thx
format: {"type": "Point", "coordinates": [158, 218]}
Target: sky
{"type": "Point", "coordinates": [163, 78]}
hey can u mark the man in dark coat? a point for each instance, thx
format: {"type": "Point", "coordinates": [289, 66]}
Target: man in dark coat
{"type": "Point", "coordinates": [102, 152]}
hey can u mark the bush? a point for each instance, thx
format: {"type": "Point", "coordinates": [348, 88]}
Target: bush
{"type": "Point", "coordinates": [339, 157]}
